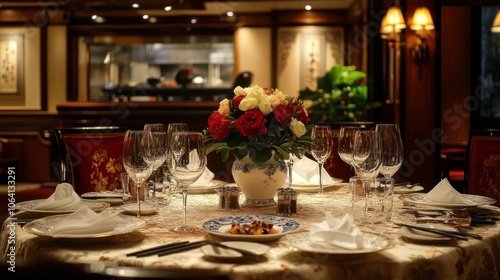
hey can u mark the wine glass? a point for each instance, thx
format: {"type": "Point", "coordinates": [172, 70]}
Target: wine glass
{"type": "Point", "coordinates": [346, 143]}
{"type": "Point", "coordinates": [155, 127]}
{"type": "Point", "coordinates": [171, 128]}
{"type": "Point", "coordinates": [392, 149]}
{"type": "Point", "coordinates": [322, 148]}
{"type": "Point", "coordinates": [187, 165]}
{"type": "Point", "coordinates": [155, 152]}
{"type": "Point", "coordinates": [136, 166]}
{"type": "Point", "coordinates": [367, 154]}
{"type": "Point", "coordinates": [292, 158]}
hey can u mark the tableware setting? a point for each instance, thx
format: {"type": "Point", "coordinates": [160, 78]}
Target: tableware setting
{"type": "Point", "coordinates": [146, 209]}
{"type": "Point", "coordinates": [234, 249]}
{"type": "Point", "coordinates": [430, 232]}
{"type": "Point", "coordinates": [205, 184]}
{"type": "Point", "coordinates": [406, 187]}
{"type": "Point", "coordinates": [63, 200]}
{"type": "Point", "coordinates": [112, 198]}
{"type": "Point", "coordinates": [444, 195]}
{"type": "Point", "coordinates": [305, 176]}
{"type": "Point", "coordinates": [321, 149]}
{"type": "Point", "coordinates": [336, 236]}
{"type": "Point", "coordinates": [220, 227]}
{"type": "Point", "coordinates": [84, 223]}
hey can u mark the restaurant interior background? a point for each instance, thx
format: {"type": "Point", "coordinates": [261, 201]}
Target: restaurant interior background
{"type": "Point", "coordinates": [78, 62]}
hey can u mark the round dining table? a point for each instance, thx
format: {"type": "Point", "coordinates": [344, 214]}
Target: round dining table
{"type": "Point", "coordinates": [106, 256]}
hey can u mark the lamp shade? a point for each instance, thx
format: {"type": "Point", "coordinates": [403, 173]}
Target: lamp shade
{"type": "Point", "coordinates": [422, 20]}
{"type": "Point", "coordinates": [496, 23]}
{"type": "Point", "coordinates": [393, 21]}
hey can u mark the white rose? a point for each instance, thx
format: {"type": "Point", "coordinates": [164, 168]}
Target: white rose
{"type": "Point", "coordinates": [248, 103]}
{"type": "Point", "coordinates": [265, 106]}
{"type": "Point", "coordinates": [298, 128]}
{"type": "Point", "coordinates": [239, 91]}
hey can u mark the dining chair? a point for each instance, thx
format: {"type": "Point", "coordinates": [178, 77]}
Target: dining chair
{"type": "Point", "coordinates": [482, 171]}
{"type": "Point", "coordinates": [91, 157]}
{"type": "Point", "coordinates": [453, 165]}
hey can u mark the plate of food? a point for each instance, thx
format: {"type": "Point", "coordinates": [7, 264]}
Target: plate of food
{"type": "Point", "coordinates": [43, 226]}
{"type": "Point", "coordinates": [30, 206]}
{"type": "Point", "coordinates": [301, 241]}
{"type": "Point", "coordinates": [252, 228]}
{"type": "Point", "coordinates": [474, 201]}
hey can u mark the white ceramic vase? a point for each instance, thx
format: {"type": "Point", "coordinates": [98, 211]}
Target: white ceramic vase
{"type": "Point", "coordinates": [259, 182]}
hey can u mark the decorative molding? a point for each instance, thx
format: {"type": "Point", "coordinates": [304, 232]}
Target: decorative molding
{"type": "Point", "coordinates": [286, 40]}
{"type": "Point", "coordinates": [335, 40]}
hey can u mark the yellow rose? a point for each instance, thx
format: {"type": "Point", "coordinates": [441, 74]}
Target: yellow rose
{"type": "Point", "coordinates": [297, 127]}
{"type": "Point", "coordinates": [248, 103]}
{"type": "Point", "coordinates": [224, 107]}
{"type": "Point", "coordinates": [265, 106]}
{"type": "Point", "coordinates": [239, 91]}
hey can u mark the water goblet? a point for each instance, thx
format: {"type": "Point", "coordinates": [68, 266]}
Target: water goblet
{"type": "Point", "coordinates": [292, 158]}
{"type": "Point", "coordinates": [321, 149]}
{"type": "Point", "coordinates": [187, 165]}
{"type": "Point", "coordinates": [392, 149]}
{"type": "Point", "coordinates": [136, 166]}
{"type": "Point", "coordinates": [171, 128]}
{"type": "Point", "coordinates": [346, 144]}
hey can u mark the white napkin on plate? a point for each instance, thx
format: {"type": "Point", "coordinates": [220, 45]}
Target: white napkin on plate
{"type": "Point", "coordinates": [64, 198]}
{"type": "Point", "coordinates": [305, 171]}
{"type": "Point", "coordinates": [85, 221]}
{"type": "Point", "coordinates": [443, 192]}
{"type": "Point", "coordinates": [339, 232]}
{"type": "Point", "coordinates": [205, 178]}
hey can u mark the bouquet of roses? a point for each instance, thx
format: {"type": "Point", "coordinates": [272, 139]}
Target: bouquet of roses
{"type": "Point", "coordinates": [260, 123]}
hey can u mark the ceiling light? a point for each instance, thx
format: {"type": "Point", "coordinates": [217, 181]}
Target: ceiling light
{"type": "Point", "coordinates": [308, 7]}
{"type": "Point", "coordinates": [135, 5]}
{"type": "Point", "coordinates": [145, 16]}
{"type": "Point", "coordinates": [168, 8]}
{"type": "Point", "coordinates": [229, 14]}
{"type": "Point", "coordinates": [193, 21]}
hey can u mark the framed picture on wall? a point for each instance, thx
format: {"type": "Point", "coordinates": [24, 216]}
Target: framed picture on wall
{"type": "Point", "coordinates": [11, 67]}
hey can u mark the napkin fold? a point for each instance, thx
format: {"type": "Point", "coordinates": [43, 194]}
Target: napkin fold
{"type": "Point", "coordinates": [205, 178]}
{"type": "Point", "coordinates": [305, 171]}
{"type": "Point", "coordinates": [443, 192]}
{"type": "Point", "coordinates": [85, 221]}
{"type": "Point", "coordinates": [338, 232]}
{"type": "Point", "coordinates": [64, 198]}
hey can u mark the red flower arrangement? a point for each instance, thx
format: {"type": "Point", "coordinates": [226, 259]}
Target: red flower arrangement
{"type": "Point", "coordinates": [259, 123]}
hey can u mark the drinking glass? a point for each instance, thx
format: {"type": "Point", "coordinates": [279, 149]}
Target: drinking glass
{"type": "Point", "coordinates": [292, 158]}
{"type": "Point", "coordinates": [171, 128]}
{"type": "Point", "coordinates": [155, 127]}
{"type": "Point", "coordinates": [392, 149]}
{"type": "Point", "coordinates": [187, 165]}
{"type": "Point", "coordinates": [155, 152]}
{"type": "Point", "coordinates": [346, 144]}
{"type": "Point", "coordinates": [322, 148]}
{"type": "Point", "coordinates": [367, 154]}
{"type": "Point", "coordinates": [134, 161]}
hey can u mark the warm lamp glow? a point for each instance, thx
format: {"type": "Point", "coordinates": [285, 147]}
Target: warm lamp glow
{"type": "Point", "coordinates": [393, 21]}
{"type": "Point", "coordinates": [496, 23]}
{"type": "Point", "coordinates": [422, 20]}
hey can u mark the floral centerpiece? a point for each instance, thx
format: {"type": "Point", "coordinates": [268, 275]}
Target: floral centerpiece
{"type": "Point", "coordinates": [259, 123]}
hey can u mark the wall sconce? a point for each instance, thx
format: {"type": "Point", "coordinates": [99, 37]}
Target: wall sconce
{"type": "Point", "coordinates": [422, 21]}
{"type": "Point", "coordinates": [392, 23]}
{"type": "Point", "coordinates": [496, 23]}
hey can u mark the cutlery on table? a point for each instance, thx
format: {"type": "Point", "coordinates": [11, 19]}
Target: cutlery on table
{"type": "Point", "coordinates": [245, 252]}
{"type": "Point", "coordinates": [447, 233]}
{"type": "Point", "coordinates": [158, 249]}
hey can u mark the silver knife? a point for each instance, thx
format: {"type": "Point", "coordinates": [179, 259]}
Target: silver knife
{"type": "Point", "coordinates": [448, 233]}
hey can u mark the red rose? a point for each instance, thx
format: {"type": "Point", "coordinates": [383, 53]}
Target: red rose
{"type": "Point", "coordinates": [218, 126]}
{"type": "Point", "coordinates": [268, 91]}
{"type": "Point", "coordinates": [302, 114]}
{"type": "Point", "coordinates": [251, 123]}
{"type": "Point", "coordinates": [236, 102]}
{"type": "Point", "coordinates": [282, 114]}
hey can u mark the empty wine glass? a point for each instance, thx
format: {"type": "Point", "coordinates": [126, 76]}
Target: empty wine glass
{"type": "Point", "coordinates": [322, 148]}
{"type": "Point", "coordinates": [346, 143]}
{"type": "Point", "coordinates": [187, 165]}
{"type": "Point", "coordinates": [155, 152]}
{"type": "Point", "coordinates": [289, 163]}
{"type": "Point", "coordinates": [392, 149]}
{"type": "Point", "coordinates": [171, 128]}
{"type": "Point", "coordinates": [155, 127]}
{"type": "Point", "coordinates": [367, 155]}
{"type": "Point", "coordinates": [136, 166]}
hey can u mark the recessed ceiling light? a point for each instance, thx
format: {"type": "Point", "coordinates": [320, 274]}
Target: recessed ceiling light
{"type": "Point", "coordinates": [145, 16]}
{"type": "Point", "coordinates": [193, 21]}
{"type": "Point", "coordinates": [135, 5]}
{"type": "Point", "coordinates": [168, 8]}
{"type": "Point", "coordinates": [308, 7]}
{"type": "Point", "coordinates": [153, 19]}
{"type": "Point", "coordinates": [229, 14]}
{"type": "Point", "coordinates": [97, 18]}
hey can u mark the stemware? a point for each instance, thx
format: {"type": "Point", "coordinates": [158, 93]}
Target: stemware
{"type": "Point", "coordinates": [322, 148]}
{"type": "Point", "coordinates": [155, 152]}
{"type": "Point", "coordinates": [171, 128]}
{"type": "Point", "coordinates": [367, 154]}
{"type": "Point", "coordinates": [346, 144]}
{"type": "Point", "coordinates": [392, 148]}
{"type": "Point", "coordinates": [187, 164]}
{"type": "Point", "coordinates": [136, 166]}
{"type": "Point", "coordinates": [289, 163]}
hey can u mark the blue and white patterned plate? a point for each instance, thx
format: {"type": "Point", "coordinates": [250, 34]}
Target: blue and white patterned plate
{"type": "Point", "coordinates": [220, 226]}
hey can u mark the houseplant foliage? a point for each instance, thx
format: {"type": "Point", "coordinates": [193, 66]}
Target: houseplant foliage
{"type": "Point", "coordinates": [262, 124]}
{"type": "Point", "coordinates": [341, 95]}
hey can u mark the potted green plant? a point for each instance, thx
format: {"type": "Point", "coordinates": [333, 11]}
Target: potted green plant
{"type": "Point", "coordinates": [341, 95]}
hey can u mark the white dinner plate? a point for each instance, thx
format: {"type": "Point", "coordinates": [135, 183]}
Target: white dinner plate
{"type": "Point", "coordinates": [423, 236]}
{"type": "Point", "coordinates": [403, 189]}
{"type": "Point", "coordinates": [146, 209]}
{"type": "Point", "coordinates": [29, 206]}
{"type": "Point", "coordinates": [475, 200]}
{"type": "Point", "coordinates": [111, 198]}
{"type": "Point", "coordinates": [42, 227]}
{"type": "Point", "coordinates": [224, 253]}
{"type": "Point", "coordinates": [302, 242]}
{"type": "Point", "coordinates": [220, 227]}
{"type": "Point", "coordinates": [205, 188]}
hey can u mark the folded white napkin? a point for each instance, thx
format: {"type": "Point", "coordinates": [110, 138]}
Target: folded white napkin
{"type": "Point", "coordinates": [64, 198]}
{"type": "Point", "coordinates": [339, 232]}
{"type": "Point", "coordinates": [305, 171]}
{"type": "Point", "coordinates": [443, 192]}
{"type": "Point", "coordinates": [85, 221]}
{"type": "Point", "coordinates": [205, 178]}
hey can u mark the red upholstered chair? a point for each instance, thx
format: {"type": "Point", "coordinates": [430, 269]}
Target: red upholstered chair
{"type": "Point", "coordinates": [92, 157]}
{"type": "Point", "coordinates": [482, 174]}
